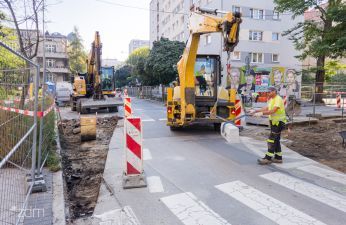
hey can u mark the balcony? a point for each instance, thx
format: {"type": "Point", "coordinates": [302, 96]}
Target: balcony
{"type": "Point", "coordinates": [57, 69]}
{"type": "Point", "coordinates": [57, 55]}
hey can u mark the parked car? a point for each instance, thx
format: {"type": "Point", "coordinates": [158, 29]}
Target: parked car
{"type": "Point", "coordinates": [63, 93]}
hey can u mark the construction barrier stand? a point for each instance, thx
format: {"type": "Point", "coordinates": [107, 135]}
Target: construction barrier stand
{"type": "Point", "coordinates": [127, 107]}
{"type": "Point", "coordinates": [134, 174]}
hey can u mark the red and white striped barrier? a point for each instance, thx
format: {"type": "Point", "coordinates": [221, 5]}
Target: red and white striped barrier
{"type": "Point", "coordinates": [238, 112]}
{"type": "Point", "coordinates": [27, 112]}
{"type": "Point", "coordinates": [338, 100]}
{"type": "Point", "coordinates": [133, 174]}
{"type": "Point", "coordinates": [285, 101]}
{"type": "Point", "coordinates": [127, 107]}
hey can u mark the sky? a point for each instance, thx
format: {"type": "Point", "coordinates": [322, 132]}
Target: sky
{"type": "Point", "coordinates": [117, 25]}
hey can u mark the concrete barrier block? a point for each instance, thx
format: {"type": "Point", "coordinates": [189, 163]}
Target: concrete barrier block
{"type": "Point", "coordinates": [230, 132]}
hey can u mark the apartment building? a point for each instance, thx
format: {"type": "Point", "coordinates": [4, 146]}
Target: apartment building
{"type": "Point", "coordinates": [169, 19]}
{"type": "Point", "coordinates": [135, 43]}
{"type": "Point", "coordinates": [56, 57]}
{"type": "Point", "coordinates": [260, 36]}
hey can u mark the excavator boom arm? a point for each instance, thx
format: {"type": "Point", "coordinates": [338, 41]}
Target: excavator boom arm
{"type": "Point", "coordinates": [202, 22]}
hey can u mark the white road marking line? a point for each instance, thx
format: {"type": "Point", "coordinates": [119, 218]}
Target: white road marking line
{"type": "Point", "coordinates": [146, 154]}
{"type": "Point", "coordinates": [190, 211]}
{"type": "Point", "coordinates": [292, 165]}
{"type": "Point", "coordinates": [155, 184]}
{"type": "Point", "coordinates": [163, 119]}
{"type": "Point", "coordinates": [325, 173]}
{"type": "Point", "coordinates": [323, 195]}
{"type": "Point", "coordinates": [118, 216]}
{"type": "Point", "coordinates": [148, 120]}
{"type": "Point", "coordinates": [266, 205]}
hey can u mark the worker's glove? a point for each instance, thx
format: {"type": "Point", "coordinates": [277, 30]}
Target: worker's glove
{"type": "Point", "coordinates": [252, 111]}
{"type": "Point", "coordinates": [259, 114]}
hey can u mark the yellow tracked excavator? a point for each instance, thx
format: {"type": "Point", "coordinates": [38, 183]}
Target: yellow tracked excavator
{"type": "Point", "coordinates": [92, 89]}
{"type": "Point", "coordinates": [198, 96]}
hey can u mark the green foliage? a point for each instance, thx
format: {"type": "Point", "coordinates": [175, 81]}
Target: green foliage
{"type": "Point", "coordinates": [162, 60]}
{"type": "Point", "coordinates": [323, 35]}
{"type": "Point", "coordinates": [122, 75]}
{"type": "Point", "coordinates": [137, 60]}
{"type": "Point", "coordinates": [76, 53]}
{"type": "Point", "coordinates": [8, 60]}
{"type": "Point", "coordinates": [333, 67]}
{"type": "Point", "coordinates": [2, 17]}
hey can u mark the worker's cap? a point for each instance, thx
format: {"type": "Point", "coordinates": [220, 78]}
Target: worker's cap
{"type": "Point", "coordinates": [272, 88]}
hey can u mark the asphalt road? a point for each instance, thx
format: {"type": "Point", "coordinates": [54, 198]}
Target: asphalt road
{"type": "Point", "coordinates": [195, 177]}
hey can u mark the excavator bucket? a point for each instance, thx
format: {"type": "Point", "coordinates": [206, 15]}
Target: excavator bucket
{"type": "Point", "coordinates": [88, 128]}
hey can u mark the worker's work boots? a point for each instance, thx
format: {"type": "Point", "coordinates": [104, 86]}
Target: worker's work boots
{"type": "Point", "coordinates": [274, 160]}
{"type": "Point", "coordinates": [264, 161]}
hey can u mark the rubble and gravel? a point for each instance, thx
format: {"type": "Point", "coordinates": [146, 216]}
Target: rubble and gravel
{"type": "Point", "coordinates": [320, 142]}
{"type": "Point", "coordinates": [83, 164]}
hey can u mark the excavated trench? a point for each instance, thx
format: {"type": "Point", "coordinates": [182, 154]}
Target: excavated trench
{"type": "Point", "coordinates": [83, 164]}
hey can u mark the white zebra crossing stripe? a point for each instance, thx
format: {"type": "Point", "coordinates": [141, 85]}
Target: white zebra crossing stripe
{"type": "Point", "coordinates": [148, 120]}
{"type": "Point", "coordinates": [155, 184]}
{"type": "Point", "coordinates": [163, 119]}
{"type": "Point", "coordinates": [146, 154]}
{"type": "Point", "coordinates": [320, 194]}
{"type": "Point", "coordinates": [266, 205]}
{"type": "Point", "coordinates": [190, 211]}
{"type": "Point", "coordinates": [325, 173]}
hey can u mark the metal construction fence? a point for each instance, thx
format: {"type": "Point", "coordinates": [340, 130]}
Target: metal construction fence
{"type": "Point", "coordinates": [149, 92]}
{"type": "Point", "coordinates": [308, 99]}
{"type": "Point", "coordinates": [26, 133]}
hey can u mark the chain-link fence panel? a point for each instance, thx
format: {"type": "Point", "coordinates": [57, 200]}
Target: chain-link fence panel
{"type": "Point", "coordinates": [18, 133]}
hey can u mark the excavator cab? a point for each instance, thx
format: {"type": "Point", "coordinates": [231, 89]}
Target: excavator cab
{"type": "Point", "coordinates": [108, 81]}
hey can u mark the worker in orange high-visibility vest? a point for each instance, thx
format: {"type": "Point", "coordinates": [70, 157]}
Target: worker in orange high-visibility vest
{"type": "Point", "coordinates": [277, 121]}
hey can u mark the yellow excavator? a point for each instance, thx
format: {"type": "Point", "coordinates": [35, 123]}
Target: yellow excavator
{"type": "Point", "coordinates": [89, 90]}
{"type": "Point", "coordinates": [198, 96]}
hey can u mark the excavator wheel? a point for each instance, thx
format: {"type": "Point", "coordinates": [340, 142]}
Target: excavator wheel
{"type": "Point", "coordinates": [79, 106]}
{"type": "Point", "coordinates": [73, 104]}
{"type": "Point", "coordinates": [217, 126]}
{"type": "Point", "coordinates": [174, 128]}
{"type": "Point", "coordinates": [113, 109]}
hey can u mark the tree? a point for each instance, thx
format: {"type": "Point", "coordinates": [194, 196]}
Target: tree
{"type": "Point", "coordinates": [137, 60]}
{"type": "Point", "coordinates": [162, 60]}
{"type": "Point", "coordinates": [25, 13]}
{"type": "Point", "coordinates": [8, 60]}
{"type": "Point", "coordinates": [2, 17]}
{"type": "Point", "coordinates": [322, 36]}
{"type": "Point", "coordinates": [76, 52]}
{"type": "Point", "coordinates": [122, 75]}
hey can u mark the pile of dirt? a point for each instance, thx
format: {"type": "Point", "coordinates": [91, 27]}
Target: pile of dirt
{"type": "Point", "coordinates": [83, 164]}
{"type": "Point", "coordinates": [320, 142]}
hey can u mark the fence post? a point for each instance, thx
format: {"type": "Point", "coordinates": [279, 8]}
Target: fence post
{"type": "Point", "coordinates": [314, 100]}
{"type": "Point", "coordinates": [34, 142]}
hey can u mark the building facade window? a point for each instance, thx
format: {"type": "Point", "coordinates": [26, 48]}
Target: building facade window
{"type": "Point", "coordinates": [275, 36]}
{"type": "Point", "coordinates": [257, 14]}
{"type": "Point", "coordinates": [208, 39]}
{"type": "Point", "coordinates": [276, 15]}
{"type": "Point", "coordinates": [275, 58]}
{"type": "Point", "coordinates": [255, 35]}
{"type": "Point", "coordinates": [50, 63]}
{"type": "Point", "coordinates": [50, 48]}
{"type": "Point", "coordinates": [236, 9]}
{"type": "Point", "coordinates": [236, 55]}
{"type": "Point", "coordinates": [256, 57]}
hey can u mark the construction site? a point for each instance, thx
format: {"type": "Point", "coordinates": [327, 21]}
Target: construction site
{"type": "Point", "coordinates": [211, 126]}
